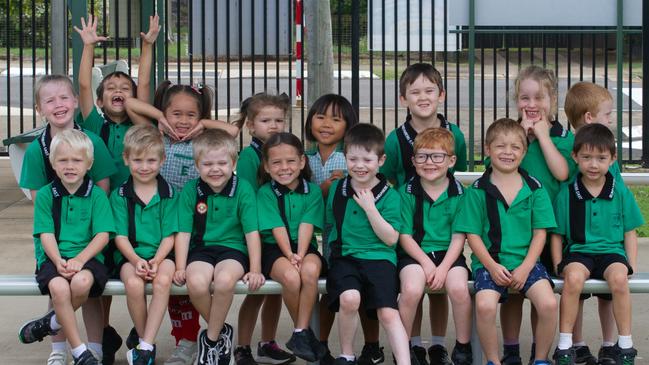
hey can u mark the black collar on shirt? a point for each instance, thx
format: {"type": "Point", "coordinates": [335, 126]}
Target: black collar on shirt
{"type": "Point", "coordinates": [608, 190]}
{"type": "Point", "coordinates": [413, 186]}
{"type": "Point", "coordinates": [485, 184]}
{"type": "Point", "coordinates": [203, 189]}
{"type": "Point", "coordinates": [257, 145]}
{"type": "Point", "coordinates": [127, 190]}
{"type": "Point", "coordinates": [378, 190]}
{"type": "Point", "coordinates": [279, 189]}
{"type": "Point", "coordinates": [557, 129]}
{"type": "Point", "coordinates": [407, 126]}
{"type": "Point", "coordinates": [59, 191]}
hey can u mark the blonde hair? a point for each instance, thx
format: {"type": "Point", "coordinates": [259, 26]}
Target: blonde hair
{"type": "Point", "coordinates": [504, 126]}
{"type": "Point", "coordinates": [435, 138]}
{"type": "Point", "coordinates": [581, 98]}
{"type": "Point", "coordinates": [545, 78]}
{"type": "Point", "coordinates": [48, 79]}
{"type": "Point", "coordinates": [143, 138]}
{"type": "Point", "coordinates": [213, 139]}
{"type": "Point", "coordinates": [77, 140]}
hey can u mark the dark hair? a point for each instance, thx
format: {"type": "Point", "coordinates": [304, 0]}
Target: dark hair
{"type": "Point", "coordinates": [201, 93]}
{"type": "Point", "coordinates": [116, 74]}
{"type": "Point", "coordinates": [412, 73]}
{"type": "Point", "coordinates": [594, 136]}
{"type": "Point", "coordinates": [367, 136]}
{"type": "Point", "coordinates": [274, 141]}
{"type": "Point", "coordinates": [340, 107]}
{"type": "Point", "coordinates": [251, 106]}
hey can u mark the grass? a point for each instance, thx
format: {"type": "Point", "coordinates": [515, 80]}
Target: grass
{"type": "Point", "coordinates": [642, 197]}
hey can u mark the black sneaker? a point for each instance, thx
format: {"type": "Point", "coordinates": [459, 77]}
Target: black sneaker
{"type": "Point", "coordinates": [564, 357]}
{"type": "Point", "coordinates": [271, 353]}
{"type": "Point", "coordinates": [37, 329]}
{"type": "Point", "coordinates": [584, 356]}
{"type": "Point", "coordinates": [462, 354]}
{"type": "Point", "coordinates": [224, 344]}
{"type": "Point", "coordinates": [343, 361]}
{"type": "Point", "coordinates": [133, 339]}
{"type": "Point", "coordinates": [317, 347]}
{"type": "Point", "coordinates": [243, 356]}
{"type": "Point", "coordinates": [206, 354]}
{"type": "Point", "coordinates": [371, 354]}
{"type": "Point", "coordinates": [328, 359]}
{"type": "Point", "coordinates": [140, 357]}
{"type": "Point", "coordinates": [511, 355]}
{"type": "Point", "coordinates": [301, 346]}
{"type": "Point", "coordinates": [86, 358]}
{"type": "Point", "coordinates": [532, 354]}
{"type": "Point", "coordinates": [419, 353]}
{"type": "Point", "coordinates": [606, 355]}
{"type": "Point", "coordinates": [111, 342]}
{"type": "Point", "coordinates": [625, 356]}
{"type": "Point", "coordinates": [438, 355]}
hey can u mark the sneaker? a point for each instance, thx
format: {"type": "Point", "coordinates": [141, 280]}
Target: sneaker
{"type": "Point", "coordinates": [328, 359]}
{"type": "Point", "coordinates": [58, 358]}
{"type": "Point", "coordinates": [140, 357]}
{"type": "Point", "coordinates": [462, 354]}
{"type": "Point", "coordinates": [419, 353]}
{"type": "Point", "coordinates": [413, 357]}
{"type": "Point", "coordinates": [564, 357]}
{"type": "Point", "coordinates": [224, 344]}
{"type": "Point", "coordinates": [111, 342]}
{"type": "Point", "coordinates": [243, 356]}
{"type": "Point", "coordinates": [343, 361]}
{"type": "Point", "coordinates": [133, 339]}
{"type": "Point", "coordinates": [271, 353]}
{"type": "Point", "coordinates": [584, 356]}
{"type": "Point", "coordinates": [300, 345]}
{"type": "Point", "coordinates": [37, 329]}
{"type": "Point", "coordinates": [606, 355]}
{"type": "Point", "coordinates": [532, 354]}
{"type": "Point", "coordinates": [511, 355]}
{"type": "Point", "coordinates": [625, 356]}
{"type": "Point", "coordinates": [184, 354]}
{"type": "Point", "coordinates": [438, 355]}
{"type": "Point", "coordinates": [317, 347]}
{"type": "Point", "coordinates": [371, 354]}
{"type": "Point", "coordinates": [207, 355]}
{"type": "Point", "coordinates": [86, 358]}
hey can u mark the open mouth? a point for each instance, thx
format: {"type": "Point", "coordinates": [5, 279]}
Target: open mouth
{"type": "Point", "coordinates": [117, 101]}
{"type": "Point", "coordinates": [61, 114]}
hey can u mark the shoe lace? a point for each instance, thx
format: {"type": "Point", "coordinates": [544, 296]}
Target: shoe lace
{"type": "Point", "coordinates": [213, 356]}
{"type": "Point", "coordinates": [56, 358]}
{"type": "Point", "coordinates": [223, 345]}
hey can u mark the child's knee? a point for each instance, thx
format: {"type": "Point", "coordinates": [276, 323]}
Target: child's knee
{"type": "Point", "coordinates": [546, 305]}
{"type": "Point", "coordinates": [224, 281]}
{"type": "Point", "coordinates": [573, 279]}
{"type": "Point", "coordinates": [291, 279]}
{"type": "Point", "coordinates": [81, 283]}
{"type": "Point", "coordinates": [162, 282]}
{"type": "Point", "coordinates": [618, 282]}
{"type": "Point", "coordinates": [411, 292]}
{"type": "Point", "coordinates": [310, 272]}
{"type": "Point", "coordinates": [486, 306]}
{"type": "Point", "coordinates": [458, 291]}
{"type": "Point", "coordinates": [387, 315]}
{"type": "Point", "coordinates": [197, 283]}
{"type": "Point", "coordinates": [133, 283]}
{"type": "Point", "coordinates": [59, 289]}
{"type": "Point", "coordinates": [350, 300]}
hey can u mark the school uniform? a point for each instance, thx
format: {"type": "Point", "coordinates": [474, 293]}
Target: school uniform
{"type": "Point", "coordinates": [179, 166]}
{"type": "Point", "coordinates": [322, 170]}
{"type": "Point", "coordinates": [249, 161]}
{"type": "Point", "coordinates": [74, 219]}
{"type": "Point", "coordinates": [506, 230]}
{"type": "Point", "coordinates": [398, 167]}
{"type": "Point", "coordinates": [279, 206]}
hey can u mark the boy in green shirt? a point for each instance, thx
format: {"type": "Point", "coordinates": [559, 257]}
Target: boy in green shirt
{"type": "Point", "coordinates": [72, 223]}
{"type": "Point", "coordinates": [144, 208]}
{"type": "Point", "coordinates": [366, 214]}
{"type": "Point", "coordinates": [505, 215]}
{"type": "Point", "coordinates": [597, 217]}
{"type": "Point", "coordinates": [217, 215]}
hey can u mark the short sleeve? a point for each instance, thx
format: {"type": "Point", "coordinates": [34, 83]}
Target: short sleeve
{"type": "Point", "coordinates": [247, 166]}
{"type": "Point", "coordinates": [632, 215]}
{"type": "Point", "coordinates": [169, 216]}
{"type": "Point", "coordinates": [186, 204]}
{"type": "Point", "coordinates": [391, 211]}
{"type": "Point", "coordinates": [460, 149]}
{"type": "Point", "coordinates": [120, 213]}
{"type": "Point", "coordinates": [470, 217]}
{"type": "Point", "coordinates": [33, 175]}
{"type": "Point", "coordinates": [102, 215]}
{"type": "Point", "coordinates": [561, 211]}
{"type": "Point", "coordinates": [392, 158]}
{"type": "Point", "coordinates": [103, 165]}
{"type": "Point", "coordinates": [93, 122]}
{"type": "Point", "coordinates": [407, 211]}
{"type": "Point", "coordinates": [314, 210]}
{"type": "Point", "coordinates": [43, 221]}
{"type": "Point", "coordinates": [542, 211]}
{"type": "Point", "coordinates": [268, 210]}
{"type": "Point", "coordinates": [247, 208]}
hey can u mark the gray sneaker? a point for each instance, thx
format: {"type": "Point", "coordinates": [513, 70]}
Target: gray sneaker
{"type": "Point", "coordinates": [58, 358]}
{"type": "Point", "coordinates": [184, 354]}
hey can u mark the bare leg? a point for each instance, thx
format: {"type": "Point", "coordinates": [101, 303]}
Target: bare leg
{"type": "Point", "coordinates": [350, 301]}
{"type": "Point", "coordinates": [486, 302]}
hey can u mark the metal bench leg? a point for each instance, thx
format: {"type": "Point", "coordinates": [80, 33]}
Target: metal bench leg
{"type": "Point", "coordinates": [475, 340]}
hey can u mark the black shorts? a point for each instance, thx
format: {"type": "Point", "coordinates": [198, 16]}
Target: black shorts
{"type": "Point", "coordinates": [109, 259]}
{"type": "Point", "coordinates": [596, 264]}
{"type": "Point", "coordinates": [271, 252]}
{"type": "Point", "coordinates": [48, 271]}
{"type": "Point", "coordinates": [215, 254]}
{"type": "Point", "coordinates": [436, 256]}
{"type": "Point", "coordinates": [376, 280]}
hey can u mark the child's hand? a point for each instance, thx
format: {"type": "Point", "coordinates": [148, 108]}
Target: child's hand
{"type": "Point", "coordinates": [254, 280]}
{"type": "Point", "coordinates": [88, 32]}
{"type": "Point", "coordinates": [198, 129]}
{"type": "Point", "coordinates": [73, 265]}
{"type": "Point", "coordinates": [153, 269]}
{"type": "Point", "coordinates": [336, 174]}
{"type": "Point", "coordinates": [542, 127]}
{"type": "Point", "coordinates": [141, 268]}
{"type": "Point", "coordinates": [519, 277]}
{"type": "Point", "coordinates": [439, 279]}
{"type": "Point", "coordinates": [61, 268]}
{"type": "Point", "coordinates": [296, 261]}
{"type": "Point", "coordinates": [154, 30]}
{"type": "Point", "coordinates": [500, 275]}
{"type": "Point", "coordinates": [179, 277]}
{"type": "Point", "coordinates": [165, 128]}
{"type": "Point", "coordinates": [429, 272]}
{"type": "Point", "coordinates": [365, 199]}
{"type": "Point", "coordinates": [527, 124]}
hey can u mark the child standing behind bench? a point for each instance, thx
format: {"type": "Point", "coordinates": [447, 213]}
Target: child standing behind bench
{"type": "Point", "coordinates": [72, 223]}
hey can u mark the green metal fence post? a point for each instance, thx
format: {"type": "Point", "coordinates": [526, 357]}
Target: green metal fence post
{"type": "Point", "coordinates": [619, 59]}
{"type": "Point", "coordinates": [78, 10]}
{"type": "Point", "coordinates": [471, 83]}
{"type": "Point", "coordinates": [160, 55]}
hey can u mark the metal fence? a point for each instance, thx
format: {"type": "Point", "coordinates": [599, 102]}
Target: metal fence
{"type": "Point", "coordinates": [246, 46]}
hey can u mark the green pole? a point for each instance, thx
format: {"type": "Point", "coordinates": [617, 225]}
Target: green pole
{"type": "Point", "coordinates": [78, 10]}
{"type": "Point", "coordinates": [471, 83]}
{"type": "Point", "coordinates": [619, 57]}
{"type": "Point", "coordinates": [160, 55]}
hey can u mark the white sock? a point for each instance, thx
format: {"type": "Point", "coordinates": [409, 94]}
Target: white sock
{"type": "Point", "coordinates": [565, 341]}
{"type": "Point", "coordinates": [579, 344]}
{"type": "Point", "coordinates": [608, 343]}
{"type": "Point", "coordinates": [264, 343]}
{"type": "Point", "coordinates": [96, 348]}
{"type": "Point", "coordinates": [77, 351]}
{"type": "Point", "coordinates": [348, 357]}
{"type": "Point", "coordinates": [298, 330]}
{"type": "Point", "coordinates": [145, 345]}
{"type": "Point", "coordinates": [437, 340]}
{"type": "Point", "coordinates": [54, 324]}
{"type": "Point", "coordinates": [59, 346]}
{"type": "Point", "coordinates": [625, 342]}
{"type": "Point", "coordinates": [415, 341]}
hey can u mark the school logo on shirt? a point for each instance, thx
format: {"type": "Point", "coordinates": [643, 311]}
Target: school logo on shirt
{"type": "Point", "coordinates": [201, 208]}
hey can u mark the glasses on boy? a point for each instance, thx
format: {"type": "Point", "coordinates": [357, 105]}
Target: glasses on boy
{"type": "Point", "coordinates": [437, 157]}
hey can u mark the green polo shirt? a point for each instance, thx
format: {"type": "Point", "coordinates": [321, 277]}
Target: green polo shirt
{"type": "Point", "coordinates": [34, 171]}
{"type": "Point", "coordinates": [152, 222]}
{"type": "Point", "coordinates": [596, 225]}
{"type": "Point", "coordinates": [358, 237]}
{"type": "Point", "coordinates": [435, 225]}
{"type": "Point", "coordinates": [231, 213]}
{"type": "Point", "coordinates": [248, 162]}
{"type": "Point", "coordinates": [113, 136]}
{"type": "Point", "coordinates": [399, 144]}
{"type": "Point", "coordinates": [302, 205]}
{"type": "Point", "coordinates": [505, 230]}
{"type": "Point", "coordinates": [83, 215]}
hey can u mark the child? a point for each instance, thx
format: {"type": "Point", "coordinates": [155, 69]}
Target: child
{"type": "Point", "coordinates": [430, 254]}
{"type": "Point", "coordinates": [588, 103]}
{"type": "Point", "coordinates": [366, 214]}
{"type": "Point", "coordinates": [222, 253]}
{"type": "Point", "coordinates": [72, 222]}
{"type": "Point", "coordinates": [505, 215]}
{"type": "Point", "coordinates": [421, 90]}
{"type": "Point", "coordinates": [290, 209]}
{"type": "Point", "coordinates": [144, 208]}
{"type": "Point", "coordinates": [264, 115]}
{"type": "Point", "coordinates": [600, 238]}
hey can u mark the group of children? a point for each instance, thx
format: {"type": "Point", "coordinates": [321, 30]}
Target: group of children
{"type": "Point", "coordinates": [113, 197]}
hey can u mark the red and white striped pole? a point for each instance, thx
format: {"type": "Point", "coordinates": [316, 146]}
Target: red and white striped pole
{"type": "Point", "coordinates": [298, 53]}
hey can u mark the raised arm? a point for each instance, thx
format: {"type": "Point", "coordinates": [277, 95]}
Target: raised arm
{"type": "Point", "coordinates": [146, 59]}
{"type": "Point", "coordinates": [88, 34]}
{"type": "Point", "coordinates": [141, 112]}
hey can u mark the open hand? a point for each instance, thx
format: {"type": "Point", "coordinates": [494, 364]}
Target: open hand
{"type": "Point", "coordinates": [154, 29]}
{"type": "Point", "coordinates": [88, 31]}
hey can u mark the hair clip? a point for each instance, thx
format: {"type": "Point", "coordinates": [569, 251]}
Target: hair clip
{"type": "Point", "coordinates": [198, 87]}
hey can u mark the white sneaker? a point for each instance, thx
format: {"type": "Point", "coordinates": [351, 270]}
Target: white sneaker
{"type": "Point", "coordinates": [58, 358]}
{"type": "Point", "coordinates": [184, 354]}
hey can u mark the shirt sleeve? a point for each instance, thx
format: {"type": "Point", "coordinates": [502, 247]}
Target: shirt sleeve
{"type": "Point", "coordinates": [247, 166]}
{"type": "Point", "coordinates": [267, 209]}
{"type": "Point", "coordinates": [542, 211]}
{"type": "Point", "coordinates": [564, 146]}
{"type": "Point", "coordinates": [33, 175]}
{"type": "Point", "coordinates": [407, 211]}
{"type": "Point", "coordinates": [170, 216]}
{"type": "Point", "coordinates": [102, 215]}
{"type": "Point", "coordinates": [460, 149]}
{"type": "Point", "coordinates": [93, 122]}
{"type": "Point", "coordinates": [392, 157]}
{"type": "Point", "coordinates": [391, 211]}
{"type": "Point", "coordinates": [330, 222]}
{"type": "Point", "coordinates": [247, 208]}
{"type": "Point", "coordinates": [471, 215]}
{"type": "Point", "coordinates": [186, 204]}
{"type": "Point", "coordinates": [314, 211]}
{"type": "Point", "coordinates": [561, 207]}
{"type": "Point", "coordinates": [120, 213]}
{"type": "Point", "coordinates": [43, 220]}
{"type": "Point", "coordinates": [632, 215]}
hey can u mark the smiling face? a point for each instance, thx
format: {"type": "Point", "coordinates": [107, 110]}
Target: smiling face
{"type": "Point", "coordinates": [182, 114]}
{"type": "Point", "coordinates": [506, 152]}
{"type": "Point", "coordinates": [56, 104]}
{"type": "Point", "coordinates": [268, 121]}
{"type": "Point", "coordinates": [284, 165]}
{"type": "Point", "coordinates": [593, 163]}
{"type": "Point", "coordinates": [432, 164]}
{"type": "Point", "coordinates": [115, 91]}
{"type": "Point", "coordinates": [533, 100]}
{"type": "Point", "coordinates": [328, 129]}
{"type": "Point", "coordinates": [422, 98]}
{"type": "Point", "coordinates": [363, 165]}
{"type": "Point", "coordinates": [70, 165]}
{"type": "Point", "coordinates": [144, 166]}
{"type": "Point", "coordinates": [215, 168]}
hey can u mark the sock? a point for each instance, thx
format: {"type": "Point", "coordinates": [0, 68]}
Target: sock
{"type": "Point", "coordinates": [145, 345]}
{"type": "Point", "coordinates": [96, 348]}
{"type": "Point", "coordinates": [372, 343]}
{"type": "Point", "coordinates": [463, 346]}
{"type": "Point", "coordinates": [77, 351]}
{"type": "Point", "coordinates": [511, 343]}
{"type": "Point", "coordinates": [625, 342]}
{"type": "Point", "coordinates": [565, 341]}
{"type": "Point", "coordinates": [59, 346]}
{"type": "Point", "coordinates": [608, 343]}
{"type": "Point", "coordinates": [54, 324]}
{"type": "Point", "coordinates": [415, 341]}
{"type": "Point", "coordinates": [579, 344]}
{"type": "Point", "coordinates": [437, 340]}
{"type": "Point", "coordinates": [298, 330]}
{"type": "Point", "coordinates": [348, 357]}
{"type": "Point", "coordinates": [263, 343]}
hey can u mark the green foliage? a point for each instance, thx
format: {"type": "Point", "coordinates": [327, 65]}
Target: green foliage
{"type": "Point", "coordinates": [16, 15]}
{"type": "Point", "coordinates": [642, 197]}
{"type": "Point", "coordinates": [345, 6]}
